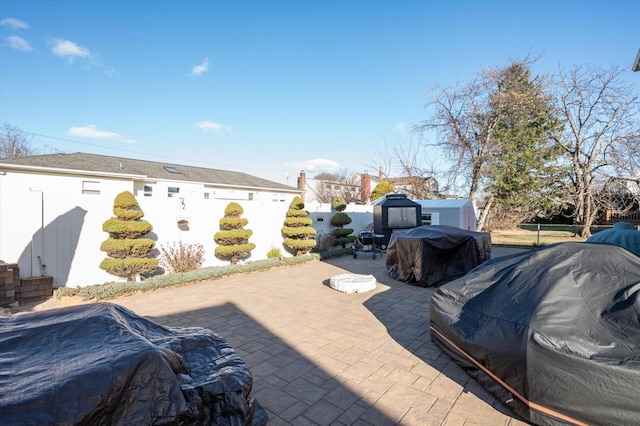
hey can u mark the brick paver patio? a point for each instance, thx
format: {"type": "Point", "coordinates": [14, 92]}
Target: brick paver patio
{"type": "Point", "coordinates": [322, 357]}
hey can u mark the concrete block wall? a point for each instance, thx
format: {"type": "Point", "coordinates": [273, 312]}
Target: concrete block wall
{"type": "Point", "coordinates": [13, 288]}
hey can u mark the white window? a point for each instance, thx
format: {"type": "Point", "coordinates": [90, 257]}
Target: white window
{"type": "Point", "coordinates": [148, 190]}
{"type": "Point", "coordinates": [173, 191]}
{"type": "Point", "coordinates": [91, 187]}
{"type": "Point", "coordinates": [251, 196]}
{"type": "Point", "coordinates": [207, 195]}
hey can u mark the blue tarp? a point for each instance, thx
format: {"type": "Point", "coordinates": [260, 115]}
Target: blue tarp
{"type": "Point", "coordinates": [622, 234]}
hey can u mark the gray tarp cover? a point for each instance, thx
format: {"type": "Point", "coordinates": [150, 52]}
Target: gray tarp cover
{"type": "Point", "coordinates": [432, 255]}
{"type": "Point", "coordinates": [101, 364]}
{"type": "Point", "coordinates": [557, 328]}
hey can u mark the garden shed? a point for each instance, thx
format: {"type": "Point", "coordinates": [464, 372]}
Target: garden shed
{"type": "Point", "coordinates": [396, 212]}
{"type": "Point", "coordinates": [459, 213]}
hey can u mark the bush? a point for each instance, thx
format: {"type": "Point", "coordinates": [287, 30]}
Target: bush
{"type": "Point", "coordinates": [126, 249]}
{"type": "Point", "coordinates": [121, 249]}
{"type": "Point", "coordinates": [182, 257]}
{"type": "Point", "coordinates": [324, 242]}
{"type": "Point", "coordinates": [233, 240]}
{"type": "Point", "coordinates": [129, 267]}
{"type": "Point", "coordinates": [112, 290]}
{"type": "Point", "coordinates": [274, 253]}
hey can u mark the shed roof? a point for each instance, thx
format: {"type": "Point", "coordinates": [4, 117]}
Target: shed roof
{"type": "Point", "coordinates": [445, 204]}
{"type": "Point", "coordinates": [146, 169]}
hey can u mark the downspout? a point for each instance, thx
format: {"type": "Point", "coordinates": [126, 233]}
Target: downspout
{"type": "Point", "coordinates": [41, 233]}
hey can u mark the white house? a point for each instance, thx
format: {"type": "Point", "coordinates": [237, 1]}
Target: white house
{"type": "Point", "coordinates": [52, 208]}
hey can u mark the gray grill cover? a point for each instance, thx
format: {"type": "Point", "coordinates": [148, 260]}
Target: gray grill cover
{"type": "Point", "coordinates": [101, 364]}
{"type": "Point", "coordinates": [557, 328]}
{"type": "Point", "coordinates": [432, 255]}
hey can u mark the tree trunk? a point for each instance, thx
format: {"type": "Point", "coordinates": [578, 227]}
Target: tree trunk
{"type": "Point", "coordinates": [584, 231]}
{"type": "Point", "coordinates": [485, 213]}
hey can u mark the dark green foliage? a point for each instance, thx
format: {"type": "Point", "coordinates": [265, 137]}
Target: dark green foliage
{"type": "Point", "coordinates": [297, 230]}
{"type": "Point", "coordinates": [339, 220]}
{"type": "Point", "coordinates": [522, 159]}
{"type": "Point", "coordinates": [341, 232]}
{"type": "Point", "coordinates": [233, 240]}
{"type": "Point", "coordinates": [126, 250]}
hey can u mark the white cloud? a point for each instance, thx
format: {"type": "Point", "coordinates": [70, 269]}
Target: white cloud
{"type": "Point", "coordinates": [69, 50]}
{"type": "Point", "coordinates": [210, 126]}
{"type": "Point", "coordinates": [112, 72]}
{"type": "Point", "coordinates": [19, 43]}
{"type": "Point", "coordinates": [90, 131]}
{"type": "Point", "coordinates": [401, 127]}
{"type": "Point", "coordinates": [16, 24]}
{"type": "Point", "coordinates": [202, 68]}
{"type": "Point", "coordinates": [318, 165]}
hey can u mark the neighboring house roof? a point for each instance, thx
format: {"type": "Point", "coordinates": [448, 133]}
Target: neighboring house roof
{"type": "Point", "coordinates": [141, 169]}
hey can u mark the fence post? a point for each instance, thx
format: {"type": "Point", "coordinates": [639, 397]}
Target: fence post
{"type": "Point", "coordinates": [538, 243]}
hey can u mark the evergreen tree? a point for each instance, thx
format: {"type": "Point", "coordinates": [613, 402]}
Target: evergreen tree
{"type": "Point", "coordinates": [381, 189]}
{"type": "Point", "coordinates": [340, 219]}
{"type": "Point", "coordinates": [297, 228]}
{"type": "Point", "coordinates": [233, 239]}
{"type": "Point", "coordinates": [127, 250]}
{"type": "Point", "coordinates": [523, 157]}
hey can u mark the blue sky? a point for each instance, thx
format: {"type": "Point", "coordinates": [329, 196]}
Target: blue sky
{"type": "Point", "coordinates": [272, 87]}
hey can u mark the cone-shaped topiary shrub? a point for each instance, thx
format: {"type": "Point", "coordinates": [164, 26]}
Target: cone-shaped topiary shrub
{"type": "Point", "coordinates": [340, 219]}
{"type": "Point", "coordinates": [233, 239]}
{"type": "Point", "coordinates": [128, 252]}
{"type": "Point", "coordinates": [297, 230]}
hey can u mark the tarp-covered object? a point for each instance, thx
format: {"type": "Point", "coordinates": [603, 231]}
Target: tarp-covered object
{"type": "Point", "coordinates": [432, 255]}
{"type": "Point", "coordinates": [552, 333]}
{"type": "Point", "coordinates": [102, 364]}
{"type": "Point", "coordinates": [622, 234]}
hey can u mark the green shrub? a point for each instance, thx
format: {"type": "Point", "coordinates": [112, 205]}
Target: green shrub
{"type": "Point", "coordinates": [118, 228]}
{"type": "Point", "coordinates": [121, 249]}
{"type": "Point", "coordinates": [233, 240]}
{"type": "Point", "coordinates": [381, 189]}
{"type": "Point", "coordinates": [339, 220]}
{"type": "Point", "coordinates": [274, 253]}
{"type": "Point", "coordinates": [129, 267]}
{"type": "Point", "coordinates": [298, 234]}
{"type": "Point", "coordinates": [126, 249]}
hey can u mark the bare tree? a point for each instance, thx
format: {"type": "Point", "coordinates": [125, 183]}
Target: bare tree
{"type": "Point", "coordinates": [601, 140]}
{"type": "Point", "coordinates": [495, 129]}
{"type": "Point", "coordinates": [417, 171]}
{"type": "Point", "coordinates": [14, 142]}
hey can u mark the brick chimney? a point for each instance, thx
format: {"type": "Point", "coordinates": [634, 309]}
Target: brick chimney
{"type": "Point", "coordinates": [302, 183]}
{"type": "Point", "coordinates": [365, 188]}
